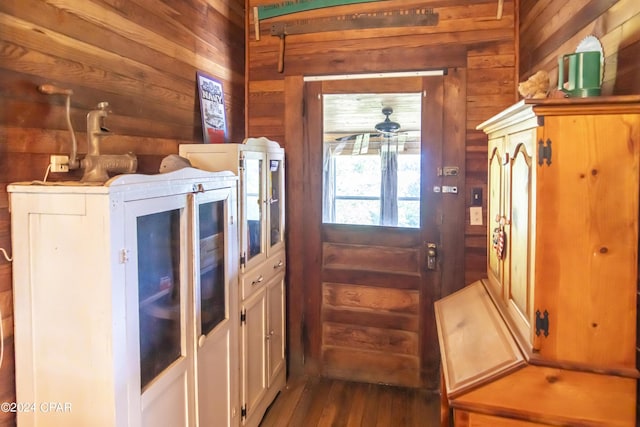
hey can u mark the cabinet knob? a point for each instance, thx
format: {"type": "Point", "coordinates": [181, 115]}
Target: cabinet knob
{"type": "Point", "coordinates": [502, 220]}
{"type": "Point", "coordinates": [257, 281]}
{"type": "Point", "coordinates": [279, 264]}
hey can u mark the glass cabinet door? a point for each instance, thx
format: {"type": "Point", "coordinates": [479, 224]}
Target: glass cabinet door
{"type": "Point", "coordinates": [275, 200]}
{"type": "Point", "coordinates": [253, 244]}
{"type": "Point", "coordinates": [216, 312]}
{"type": "Point", "coordinates": [159, 295]}
{"type": "Point", "coordinates": [212, 298]}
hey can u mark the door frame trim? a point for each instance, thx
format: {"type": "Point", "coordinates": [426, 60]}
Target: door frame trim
{"type": "Point", "coordinates": [303, 306]}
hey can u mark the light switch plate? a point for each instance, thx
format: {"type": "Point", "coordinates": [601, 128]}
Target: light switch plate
{"type": "Point", "coordinates": [475, 215]}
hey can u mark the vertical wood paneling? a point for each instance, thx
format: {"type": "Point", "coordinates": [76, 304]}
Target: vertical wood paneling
{"type": "Point", "coordinates": [296, 297]}
{"type": "Point", "coordinates": [490, 89]}
{"type": "Point", "coordinates": [453, 153]}
{"type": "Point", "coordinates": [309, 261]}
{"type": "Point", "coordinates": [139, 55]}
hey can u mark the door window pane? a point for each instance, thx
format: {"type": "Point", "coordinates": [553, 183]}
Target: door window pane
{"type": "Point", "coordinates": [409, 190]}
{"type": "Point", "coordinates": [363, 212]}
{"type": "Point", "coordinates": [372, 177]}
{"type": "Point", "coordinates": [212, 280]}
{"type": "Point", "coordinates": [158, 237]}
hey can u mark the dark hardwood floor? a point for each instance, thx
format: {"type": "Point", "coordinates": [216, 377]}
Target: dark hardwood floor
{"type": "Point", "coordinates": [309, 402]}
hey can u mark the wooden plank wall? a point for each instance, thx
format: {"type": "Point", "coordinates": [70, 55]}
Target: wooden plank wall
{"type": "Point", "coordinates": [139, 55]}
{"type": "Point", "coordinates": [469, 38]}
{"type": "Point", "coordinates": [549, 29]}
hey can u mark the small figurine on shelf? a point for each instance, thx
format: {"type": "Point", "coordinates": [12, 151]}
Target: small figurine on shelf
{"type": "Point", "coordinates": [536, 87]}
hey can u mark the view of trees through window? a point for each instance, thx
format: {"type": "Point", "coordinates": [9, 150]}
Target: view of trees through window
{"type": "Point", "coordinates": [357, 195]}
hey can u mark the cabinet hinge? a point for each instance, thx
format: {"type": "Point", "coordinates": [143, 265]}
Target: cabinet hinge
{"type": "Point", "coordinates": [243, 260]}
{"type": "Point", "coordinates": [243, 316]}
{"type": "Point", "coordinates": [542, 323]}
{"type": "Point", "coordinates": [544, 152]}
{"type": "Point", "coordinates": [243, 411]}
{"type": "Point", "coordinates": [124, 256]}
{"type": "Point", "coordinates": [241, 163]}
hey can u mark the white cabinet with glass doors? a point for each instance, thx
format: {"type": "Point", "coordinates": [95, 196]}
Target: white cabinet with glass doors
{"type": "Point", "coordinates": [126, 300]}
{"type": "Point", "coordinates": [259, 164]}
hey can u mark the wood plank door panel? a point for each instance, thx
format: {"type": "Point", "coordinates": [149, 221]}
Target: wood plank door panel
{"type": "Point", "coordinates": [371, 304]}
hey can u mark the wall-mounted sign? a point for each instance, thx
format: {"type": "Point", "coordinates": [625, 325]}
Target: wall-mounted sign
{"type": "Point", "coordinates": [214, 120]}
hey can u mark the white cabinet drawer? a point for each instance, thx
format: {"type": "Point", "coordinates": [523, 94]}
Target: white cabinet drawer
{"type": "Point", "coordinates": [255, 278]}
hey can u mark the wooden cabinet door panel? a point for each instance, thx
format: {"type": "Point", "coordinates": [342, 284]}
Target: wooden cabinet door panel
{"type": "Point", "coordinates": [587, 239]}
{"type": "Point", "coordinates": [495, 209]}
{"type": "Point", "coordinates": [520, 290]}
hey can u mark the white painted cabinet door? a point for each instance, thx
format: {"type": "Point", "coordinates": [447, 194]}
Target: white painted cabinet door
{"type": "Point", "coordinates": [216, 309]}
{"type": "Point", "coordinates": [159, 358]}
{"type": "Point", "coordinates": [276, 326]}
{"type": "Point", "coordinates": [254, 350]}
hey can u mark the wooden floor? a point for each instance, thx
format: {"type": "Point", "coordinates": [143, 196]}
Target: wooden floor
{"type": "Point", "coordinates": [326, 402]}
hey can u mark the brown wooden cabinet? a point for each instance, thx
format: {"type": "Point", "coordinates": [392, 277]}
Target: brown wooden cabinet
{"type": "Point", "coordinates": [550, 335]}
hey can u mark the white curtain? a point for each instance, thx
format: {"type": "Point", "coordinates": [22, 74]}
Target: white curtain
{"type": "Point", "coordinates": [328, 184]}
{"type": "Point", "coordinates": [389, 184]}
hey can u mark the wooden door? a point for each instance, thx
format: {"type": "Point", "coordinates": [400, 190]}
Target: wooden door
{"type": "Point", "coordinates": [375, 292]}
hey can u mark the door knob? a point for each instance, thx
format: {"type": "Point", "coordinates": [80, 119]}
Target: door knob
{"type": "Point", "coordinates": [432, 256]}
